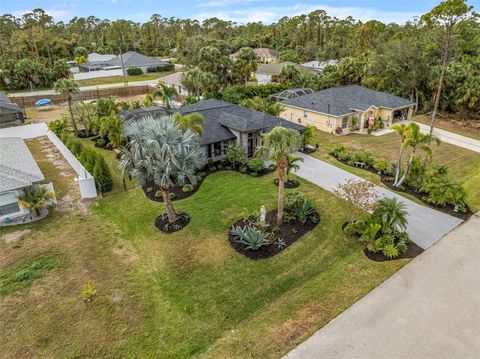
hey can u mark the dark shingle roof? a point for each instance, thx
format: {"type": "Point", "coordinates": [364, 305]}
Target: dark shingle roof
{"type": "Point", "coordinates": [134, 59]}
{"type": "Point", "coordinates": [339, 101]}
{"type": "Point", "coordinates": [221, 116]}
{"type": "Point", "coordinates": [135, 114]}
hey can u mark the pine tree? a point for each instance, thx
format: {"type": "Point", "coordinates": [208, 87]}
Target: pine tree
{"type": "Point", "coordinates": [102, 175]}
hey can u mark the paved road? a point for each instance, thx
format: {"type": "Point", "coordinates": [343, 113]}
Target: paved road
{"type": "Point", "coordinates": [429, 309]}
{"type": "Point", "coordinates": [84, 88]}
{"type": "Point", "coordinates": [425, 225]}
{"type": "Point", "coordinates": [444, 136]}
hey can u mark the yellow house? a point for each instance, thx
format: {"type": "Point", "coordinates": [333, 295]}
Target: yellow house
{"type": "Point", "coordinates": [265, 56]}
{"type": "Point", "coordinates": [347, 109]}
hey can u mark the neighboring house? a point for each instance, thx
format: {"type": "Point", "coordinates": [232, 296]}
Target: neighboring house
{"type": "Point", "coordinates": [265, 56]}
{"type": "Point", "coordinates": [127, 60]}
{"type": "Point", "coordinates": [133, 114]}
{"type": "Point", "coordinates": [18, 170]}
{"type": "Point", "coordinates": [346, 109]}
{"type": "Point", "coordinates": [318, 66]}
{"type": "Point", "coordinates": [268, 73]}
{"type": "Point", "coordinates": [175, 80]}
{"type": "Point", "coordinates": [95, 57]}
{"type": "Point", "coordinates": [228, 124]}
{"type": "Point", "coordinates": [10, 113]}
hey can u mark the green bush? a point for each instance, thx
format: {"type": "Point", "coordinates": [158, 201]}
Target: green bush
{"type": "Point", "coordinates": [88, 158]}
{"type": "Point", "coordinates": [158, 194]}
{"type": "Point", "coordinates": [187, 188]}
{"type": "Point", "coordinates": [100, 143]}
{"type": "Point", "coordinates": [339, 152]}
{"type": "Point", "coordinates": [102, 175]}
{"type": "Point", "coordinates": [250, 236]}
{"type": "Point", "coordinates": [363, 156]}
{"type": "Point", "coordinates": [172, 195]}
{"type": "Point", "coordinates": [75, 146]}
{"type": "Point", "coordinates": [444, 191]}
{"type": "Point", "coordinates": [382, 166]}
{"type": "Point", "coordinates": [236, 155]}
{"type": "Point", "coordinates": [243, 169]}
{"type": "Point", "coordinates": [292, 199]}
{"type": "Point", "coordinates": [256, 165]}
{"type": "Point", "coordinates": [132, 71]}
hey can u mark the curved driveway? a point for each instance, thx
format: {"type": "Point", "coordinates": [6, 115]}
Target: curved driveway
{"type": "Point", "coordinates": [425, 225]}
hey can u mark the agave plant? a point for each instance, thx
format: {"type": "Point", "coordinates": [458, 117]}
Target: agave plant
{"type": "Point", "coordinates": [250, 236]}
{"type": "Point", "coordinates": [304, 210]}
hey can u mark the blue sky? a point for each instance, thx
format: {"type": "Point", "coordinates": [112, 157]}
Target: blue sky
{"type": "Point", "coordinates": [241, 11]}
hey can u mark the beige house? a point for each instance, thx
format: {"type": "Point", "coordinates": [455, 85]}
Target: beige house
{"type": "Point", "coordinates": [175, 80]}
{"type": "Point", "coordinates": [347, 109]}
{"type": "Point", "coordinates": [265, 56]}
{"type": "Point", "coordinates": [268, 73]}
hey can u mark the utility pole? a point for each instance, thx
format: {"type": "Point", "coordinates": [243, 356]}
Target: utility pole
{"type": "Point", "coordinates": [123, 69]}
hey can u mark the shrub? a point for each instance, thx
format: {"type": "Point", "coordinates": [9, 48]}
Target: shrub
{"type": "Point", "coordinates": [382, 166]}
{"type": "Point", "coordinates": [339, 152]}
{"type": "Point", "coordinates": [89, 293]}
{"type": "Point", "coordinates": [35, 198]}
{"type": "Point", "coordinates": [250, 236]}
{"type": "Point", "coordinates": [132, 71]}
{"type": "Point", "coordinates": [187, 188]}
{"type": "Point", "coordinates": [256, 165]}
{"type": "Point", "coordinates": [172, 195]}
{"type": "Point", "coordinates": [444, 191]}
{"type": "Point", "coordinates": [363, 156]}
{"type": "Point", "coordinates": [149, 189]}
{"type": "Point", "coordinates": [100, 143]}
{"type": "Point", "coordinates": [102, 175]}
{"type": "Point", "coordinates": [158, 194]}
{"type": "Point", "coordinates": [292, 199]}
{"type": "Point", "coordinates": [88, 158]}
{"type": "Point", "coordinates": [243, 169]}
{"type": "Point", "coordinates": [304, 210]}
{"type": "Point", "coordinates": [58, 127]}
{"type": "Point", "coordinates": [165, 67]}
{"type": "Point", "coordinates": [75, 146]}
{"type": "Point", "coordinates": [236, 155]}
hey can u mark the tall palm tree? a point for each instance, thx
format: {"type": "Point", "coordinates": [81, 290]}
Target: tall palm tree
{"type": "Point", "coordinates": [278, 144]}
{"type": "Point", "coordinates": [415, 140]}
{"type": "Point", "coordinates": [68, 88]}
{"type": "Point", "coordinates": [292, 164]}
{"type": "Point", "coordinates": [392, 214]}
{"type": "Point", "coordinates": [165, 93]}
{"type": "Point", "coordinates": [193, 121]}
{"type": "Point", "coordinates": [160, 152]}
{"type": "Point", "coordinates": [402, 130]}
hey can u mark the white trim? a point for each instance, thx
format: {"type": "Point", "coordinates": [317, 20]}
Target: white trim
{"type": "Point", "coordinates": [321, 113]}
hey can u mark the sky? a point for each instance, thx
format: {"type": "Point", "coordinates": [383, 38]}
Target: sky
{"type": "Point", "coordinates": [241, 11]}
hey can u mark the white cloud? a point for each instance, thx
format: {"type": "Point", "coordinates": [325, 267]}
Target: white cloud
{"type": "Point", "coordinates": [271, 14]}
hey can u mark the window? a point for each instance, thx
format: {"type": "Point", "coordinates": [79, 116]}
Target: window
{"type": "Point", "coordinates": [217, 149]}
{"type": "Point", "coordinates": [345, 122]}
{"type": "Point", "coordinates": [8, 204]}
{"type": "Point", "coordinates": [305, 114]}
{"type": "Point", "coordinates": [208, 151]}
{"type": "Point", "coordinates": [299, 120]}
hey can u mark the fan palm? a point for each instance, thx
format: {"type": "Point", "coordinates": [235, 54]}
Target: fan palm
{"type": "Point", "coordinates": [68, 88]}
{"type": "Point", "coordinates": [278, 144]}
{"type": "Point", "coordinates": [160, 152]}
{"type": "Point", "coordinates": [392, 214]}
{"type": "Point", "coordinates": [165, 93]}
{"type": "Point", "coordinates": [193, 121]}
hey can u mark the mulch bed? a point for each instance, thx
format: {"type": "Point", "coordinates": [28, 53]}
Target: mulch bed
{"type": "Point", "coordinates": [290, 232]}
{"type": "Point", "coordinates": [180, 194]}
{"type": "Point", "coordinates": [289, 184]}
{"type": "Point", "coordinates": [409, 190]}
{"type": "Point", "coordinates": [162, 223]}
{"type": "Point", "coordinates": [412, 251]}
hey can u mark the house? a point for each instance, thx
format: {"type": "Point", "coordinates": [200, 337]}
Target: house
{"type": "Point", "coordinates": [228, 124]}
{"type": "Point", "coordinates": [95, 57]}
{"type": "Point", "coordinates": [126, 60]}
{"type": "Point", "coordinates": [268, 73]}
{"type": "Point", "coordinates": [265, 56]}
{"type": "Point", "coordinates": [318, 66]}
{"type": "Point", "coordinates": [10, 113]}
{"type": "Point", "coordinates": [175, 80]}
{"type": "Point", "coordinates": [346, 109]}
{"type": "Point", "coordinates": [132, 114]}
{"type": "Point", "coordinates": [18, 170]}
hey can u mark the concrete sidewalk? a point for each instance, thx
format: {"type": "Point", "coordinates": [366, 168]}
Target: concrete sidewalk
{"type": "Point", "coordinates": [425, 225]}
{"type": "Point", "coordinates": [429, 309]}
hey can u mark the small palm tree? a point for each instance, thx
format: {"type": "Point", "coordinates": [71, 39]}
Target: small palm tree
{"type": "Point", "coordinates": [148, 100]}
{"type": "Point", "coordinates": [193, 121]}
{"type": "Point", "coordinates": [402, 130]}
{"type": "Point", "coordinates": [68, 88]}
{"type": "Point", "coordinates": [392, 214]}
{"type": "Point", "coordinates": [111, 127]}
{"type": "Point", "coordinates": [165, 93]}
{"type": "Point", "coordinates": [278, 144]}
{"type": "Point", "coordinates": [293, 164]}
{"type": "Point", "coordinates": [34, 198]}
{"type": "Point", "coordinates": [160, 152]}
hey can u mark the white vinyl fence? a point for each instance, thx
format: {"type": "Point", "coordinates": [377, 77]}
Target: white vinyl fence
{"type": "Point", "coordinates": [85, 180]}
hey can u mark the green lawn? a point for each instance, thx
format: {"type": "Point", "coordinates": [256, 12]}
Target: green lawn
{"type": "Point", "coordinates": [182, 295]}
{"type": "Point", "coordinates": [119, 79]}
{"type": "Point", "coordinates": [463, 165]}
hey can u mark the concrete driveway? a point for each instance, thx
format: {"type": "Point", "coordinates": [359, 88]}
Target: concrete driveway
{"type": "Point", "coordinates": [452, 138]}
{"type": "Point", "coordinates": [425, 225]}
{"type": "Point", "coordinates": [429, 309]}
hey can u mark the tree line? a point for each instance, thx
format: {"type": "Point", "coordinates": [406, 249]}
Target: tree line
{"type": "Point", "coordinates": [404, 59]}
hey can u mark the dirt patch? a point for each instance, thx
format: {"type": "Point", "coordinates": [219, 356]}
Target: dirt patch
{"type": "Point", "coordinates": [13, 236]}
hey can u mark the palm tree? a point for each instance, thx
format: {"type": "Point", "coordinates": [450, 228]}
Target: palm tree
{"type": "Point", "coordinates": [35, 198]}
{"type": "Point", "coordinates": [264, 105]}
{"type": "Point", "coordinates": [416, 140]}
{"type": "Point", "coordinates": [68, 88]}
{"type": "Point", "coordinates": [292, 164]}
{"type": "Point", "coordinates": [278, 144]}
{"type": "Point", "coordinates": [148, 100]}
{"type": "Point", "coordinates": [392, 214]}
{"type": "Point", "coordinates": [111, 127]}
{"type": "Point", "coordinates": [165, 93]}
{"type": "Point", "coordinates": [160, 152]}
{"type": "Point", "coordinates": [193, 121]}
{"type": "Point", "coordinates": [401, 129]}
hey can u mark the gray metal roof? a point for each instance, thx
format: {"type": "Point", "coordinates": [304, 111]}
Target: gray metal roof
{"type": "Point", "coordinates": [221, 116]}
{"type": "Point", "coordinates": [338, 101]}
{"type": "Point", "coordinates": [18, 168]}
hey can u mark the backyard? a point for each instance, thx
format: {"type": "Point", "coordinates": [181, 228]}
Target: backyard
{"type": "Point", "coordinates": [463, 165]}
{"type": "Point", "coordinates": [178, 295]}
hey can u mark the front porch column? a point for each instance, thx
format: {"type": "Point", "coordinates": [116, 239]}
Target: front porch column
{"type": "Point", "coordinates": [362, 122]}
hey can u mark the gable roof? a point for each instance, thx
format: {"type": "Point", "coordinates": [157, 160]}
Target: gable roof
{"type": "Point", "coordinates": [95, 57]}
{"type": "Point", "coordinates": [338, 101]}
{"type": "Point", "coordinates": [18, 168]}
{"type": "Point", "coordinates": [222, 117]}
{"type": "Point", "coordinates": [172, 79]}
{"type": "Point", "coordinates": [133, 114]}
{"type": "Point", "coordinates": [134, 59]}
{"type": "Point", "coordinates": [276, 68]}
